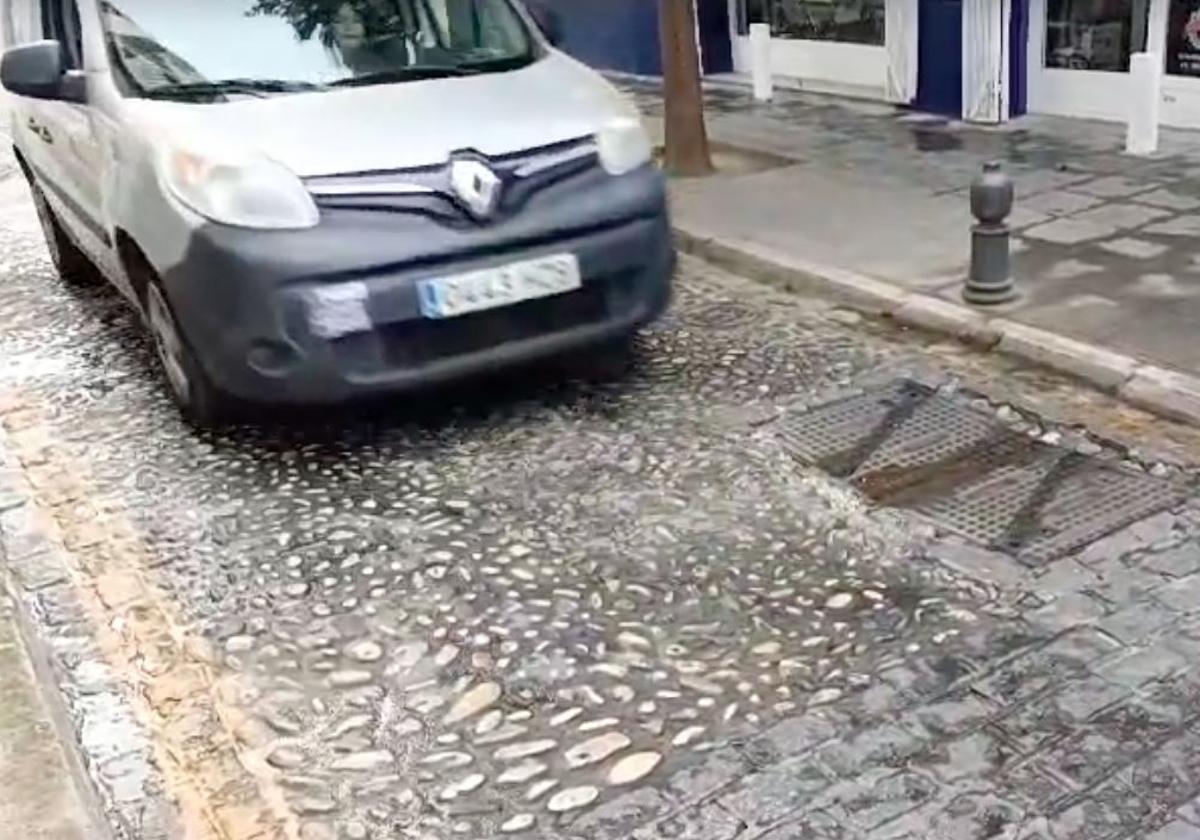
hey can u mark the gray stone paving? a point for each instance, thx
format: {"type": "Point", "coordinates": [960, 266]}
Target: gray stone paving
{"type": "Point", "coordinates": [576, 603]}
{"type": "Point", "coordinates": [873, 191]}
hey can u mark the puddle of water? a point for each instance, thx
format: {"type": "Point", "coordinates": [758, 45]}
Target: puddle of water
{"type": "Point", "coordinates": [935, 139]}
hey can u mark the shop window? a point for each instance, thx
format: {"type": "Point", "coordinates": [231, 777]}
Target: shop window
{"type": "Point", "coordinates": [1183, 38]}
{"type": "Point", "coordinates": [848, 21]}
{"type": "Point", "coordinates": [1094, 34]}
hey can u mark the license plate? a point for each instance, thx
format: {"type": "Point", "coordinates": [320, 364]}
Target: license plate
{"type": "Point", "coordinates": [474, 291]}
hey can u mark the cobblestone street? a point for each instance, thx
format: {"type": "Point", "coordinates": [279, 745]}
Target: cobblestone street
{"type": "Point", "coordinates": [602, 600]}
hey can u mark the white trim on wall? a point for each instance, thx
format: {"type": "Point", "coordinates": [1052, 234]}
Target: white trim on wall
{"type": "Point", "coordinates": [900, 35]}
{"type": "Point", "coordinates": [1005, 60]}
{"type": "Point", "coordinates": [982, 60]}
{"type": "Point", "coordinates": [734, 17]}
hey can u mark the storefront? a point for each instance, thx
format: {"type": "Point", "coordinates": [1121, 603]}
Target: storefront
{"type": "Point", "coordinates": [1079, 56]}
{"type": "Point", "coordinates": [834, 45]}
{"type": "Point", "coordinates": [979, 60]}
{"type": "Point", "coordinates": [946, 56]}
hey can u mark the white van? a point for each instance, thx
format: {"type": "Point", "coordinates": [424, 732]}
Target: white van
{"type": "Point", "coordinates": [311, 200]}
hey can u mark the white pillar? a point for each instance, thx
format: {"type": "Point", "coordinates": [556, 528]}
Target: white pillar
{"type": "Point", "coordinates": [1145, 77]}
{"type": "Point", "coordinates": [760, 62]}
{"type": "Point", "coordinates": [900, 41]}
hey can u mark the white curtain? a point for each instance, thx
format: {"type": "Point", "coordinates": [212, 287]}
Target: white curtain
{"type": "Point", "coordinates": [983, 60]}
{"type": "Point", "coordinates": [900, 34]}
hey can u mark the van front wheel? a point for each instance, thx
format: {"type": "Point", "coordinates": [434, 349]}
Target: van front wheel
{"type": "Point", "coordinates": [200, 401]}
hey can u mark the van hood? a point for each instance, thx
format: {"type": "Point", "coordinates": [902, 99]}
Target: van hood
{"type": "Point", "coordinates": [398, 126]}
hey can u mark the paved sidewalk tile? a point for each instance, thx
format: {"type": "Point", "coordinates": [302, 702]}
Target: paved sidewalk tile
{"type": "Point", "coordinates": [1176, 830]}
{"type": "Point", "coordinates": [1095, 222]}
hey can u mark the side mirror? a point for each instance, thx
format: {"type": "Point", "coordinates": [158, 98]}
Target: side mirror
{"type": "Point", "coordinates": [547, 20]}
{"type": "Point", "coordinates": [38, 71]}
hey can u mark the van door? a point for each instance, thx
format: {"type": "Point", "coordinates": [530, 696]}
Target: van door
{"type": "Point", "coordinates": [62, 145]}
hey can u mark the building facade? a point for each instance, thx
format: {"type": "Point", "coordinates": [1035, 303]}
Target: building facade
{"type": "Point", "coordinates": [950, 57]}
{"type": "Point", "coordinates": [1079, 57]}
{"type": "Point", "coordinates": [980, 60]}
{"type": "Point", "coordinates": [623, 34]}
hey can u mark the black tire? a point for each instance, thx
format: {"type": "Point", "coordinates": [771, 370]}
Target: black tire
{"type": "Point", "coordinates": [72, 265]}
{"type": "Point", "coordinates": [201, 402]}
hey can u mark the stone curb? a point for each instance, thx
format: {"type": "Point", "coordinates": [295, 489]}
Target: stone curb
{"type": "Point", "coordinates": [30, 563]}
{"type": "Point", "coordinates": [1167, 393]}
{"type": "Point", "coordinates": [793, 274]}
{"type": "Point", "coordinates": [1103, 368]}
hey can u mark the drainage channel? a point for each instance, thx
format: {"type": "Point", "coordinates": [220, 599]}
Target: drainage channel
{"type": "Point", "coordinates": [907, 445]}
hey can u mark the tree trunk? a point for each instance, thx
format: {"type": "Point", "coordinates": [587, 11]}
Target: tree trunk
{"type": "Point", "coordinates": [687, 151]}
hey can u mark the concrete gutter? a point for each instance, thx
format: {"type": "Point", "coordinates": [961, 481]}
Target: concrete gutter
{"type": "Point", "coordinates": [1164, 392]}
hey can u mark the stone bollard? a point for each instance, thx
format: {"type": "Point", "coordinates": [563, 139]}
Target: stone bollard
{"type": "Point", "coordinates": [990, 279]}
{"type": "Point", "coordinates": [1145, 84]}
{"type": "Point", "coordinates": [760, 62]}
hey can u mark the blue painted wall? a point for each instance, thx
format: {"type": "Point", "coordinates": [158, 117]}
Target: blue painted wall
{"type": "Point", "coordinates": [939, 57]}
{"type": "Point", "coordinates": [623, 34]}
{"type": "Point", "coordinates": [716, 50]}
{"type": "Point", "coordinates": [1018, 52]}
{"type": "Point", "coordinates": [612, 34]}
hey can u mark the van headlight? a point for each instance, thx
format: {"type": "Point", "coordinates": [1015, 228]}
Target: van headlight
{"type": "Point", "coordinates": [623, 146]}
{"type": "Point", "coordinates": [241, 190]}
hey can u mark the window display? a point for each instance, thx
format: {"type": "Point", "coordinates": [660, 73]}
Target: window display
{"type": "Point", "coordinates": [848, 21]}
{"type": "Point", "coordinates": [1094, 34]}
{"type": "Point", "coordinates": [1183, 38]}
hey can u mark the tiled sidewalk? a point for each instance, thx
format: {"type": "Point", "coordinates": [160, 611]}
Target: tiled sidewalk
{"type": "Point", "coordinates": [1105, 248]}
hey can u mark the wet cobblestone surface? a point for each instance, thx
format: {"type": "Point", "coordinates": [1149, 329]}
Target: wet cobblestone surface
{"type": "Point", "coordinates": [592, 601]}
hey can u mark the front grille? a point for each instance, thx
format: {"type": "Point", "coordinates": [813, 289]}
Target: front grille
{"type": "Point", "coordinates": [426, 191]}
{"type": "Point", "coordinates": [415, 342]}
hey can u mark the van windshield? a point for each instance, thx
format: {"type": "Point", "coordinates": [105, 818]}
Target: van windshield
{"type": "Point", "coordinates": [218, 49]}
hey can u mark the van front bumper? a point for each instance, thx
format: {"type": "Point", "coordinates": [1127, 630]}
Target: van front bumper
{"type": "Point", "coordinates": [246, 300]}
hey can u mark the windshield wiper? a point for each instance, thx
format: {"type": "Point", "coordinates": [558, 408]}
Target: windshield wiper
{"type": "Point", "coordinates": [208, 90]}
{"type": "Point", "coordinates": [412, 72]}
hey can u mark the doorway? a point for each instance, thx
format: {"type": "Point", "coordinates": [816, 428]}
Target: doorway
{"type": "Point", "coordinates": [939, 57]}
{"type": "Point", "coordinates": [712, 27]}
{"type": "Point", "coordinates": [1018, 68]}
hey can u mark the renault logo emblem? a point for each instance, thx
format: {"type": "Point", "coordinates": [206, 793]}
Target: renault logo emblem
{"type": "Point", "coordinates": [476, 186]}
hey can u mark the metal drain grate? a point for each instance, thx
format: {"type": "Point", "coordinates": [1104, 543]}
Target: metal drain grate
{"type": "Point", "coordinates": [838, 437]}
{"type": "Point", "coordinates": [1049, 509]}
{"type": "Point", "coordinates": [722, 315]}
{"type": "Point", "coordinates": [908, 446]}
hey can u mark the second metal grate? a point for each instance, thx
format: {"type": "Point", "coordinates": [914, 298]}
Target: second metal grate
{"type": "Point", "coordinates": [906, 445]}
